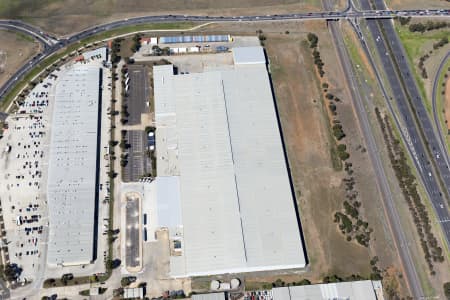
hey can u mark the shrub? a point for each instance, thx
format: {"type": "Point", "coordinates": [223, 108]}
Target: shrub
{"type": "Point", "coordinates": [313, 40]}
{"type": "Point", "coordinates": [338, 132]}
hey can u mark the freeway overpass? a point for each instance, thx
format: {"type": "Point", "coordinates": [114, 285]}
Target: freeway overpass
{"type": "Point", "coordinates": [51, 44]}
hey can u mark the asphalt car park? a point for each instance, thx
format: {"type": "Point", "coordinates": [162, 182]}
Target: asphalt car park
{"type": "Point", "coordinates": [23, 172]}
{"type": "Point", "coordinates": [138, 93]}
{"type": "Point", "coordinates": [138, 162]}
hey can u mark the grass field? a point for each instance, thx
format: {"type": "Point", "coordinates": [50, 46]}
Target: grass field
{"type": "Point", "coordinates": [318, 186]}
{"type": "Point", "coordinates": [15, 50]}
{"type": "Point", "coordinates": [443, 102]}
{"type": "Point", "coordinates": [417, 4]}
{"type": "Point", "coordinates": [416, 45]}
{"type": "Point", "coordinates": [66, 16]}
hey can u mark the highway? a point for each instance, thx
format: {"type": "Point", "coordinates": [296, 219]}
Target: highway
{"type": "Point", "coordinates": [415, 113]}
{"type": "Point", "coordinates": [400, 238]}
{"type": "Point", "coordinates": [52, 44]}
{"type": "Point", "coordinates": [415, 141]}
{"type": "Point", "coordinates": [357, 94]}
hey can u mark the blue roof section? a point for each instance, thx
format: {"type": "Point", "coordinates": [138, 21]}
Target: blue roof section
{"type": "Point", "coordinates": [193, 39]}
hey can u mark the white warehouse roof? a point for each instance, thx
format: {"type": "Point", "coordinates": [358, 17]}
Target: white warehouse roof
{"type": "Point", "coordinates": [72, 167]}
{"type": "Point", "coordinates": [237, 206]}
{"type": "Point", "coordinates": [211, 296]}
{"type": "Point", "coordinates": [248, 55]}
{"type": "Point", "coordinates": [356, 290]}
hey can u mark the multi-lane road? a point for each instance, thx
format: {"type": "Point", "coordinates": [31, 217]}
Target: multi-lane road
{"type": "Point", "coordinates": [52, 44]}
{"type": "Point", "coordinates": [431, 162]}
{"type": "Point", "coordinates": [428, 152]}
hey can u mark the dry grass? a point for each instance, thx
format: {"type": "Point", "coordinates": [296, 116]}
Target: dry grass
{"type": "Point", "coordinates": [417, 4]}
{"type": "Point", "coordinates": [15, 50]}
{"type": "Point", "coordinates": [318, 186]}
{"type": "Point", "coordinates": [66, 16]}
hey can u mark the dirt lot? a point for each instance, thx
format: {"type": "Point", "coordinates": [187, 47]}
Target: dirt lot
{"type": "Point", "coordinates": [14, 51]}
{"type": "Point", "coordinates": [417, 4]}
{"type": "Point", "coordinates": [63, 17]}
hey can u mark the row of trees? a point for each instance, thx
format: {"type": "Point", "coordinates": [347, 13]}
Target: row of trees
{"type": "Point", "coordinates": [375, 275]}
{"type": "Point", "coordinates": [313, 43]}
{"type": "Point", "coordinates": [115, 49]}
{"type": "Point", "coordinates": [429, 25]}
{"type": "Point", "coordinates": [442, 42]}
{"type": "Point", "coordinates": [421, 66]}
{"type": "Point", "coordinates": [408, 185]}
{"type": "Point", "coordinates": [136, 43]}
{"type": "Point", "coordinates": [357, 229]}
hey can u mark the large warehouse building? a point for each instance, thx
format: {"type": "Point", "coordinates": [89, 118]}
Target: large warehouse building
{"type": "Point", "coordinates": [218, 131]}
{"type": "Point", "coordinates": [73, 168]}
{"type": "Point", "coordinates": [355, 290]}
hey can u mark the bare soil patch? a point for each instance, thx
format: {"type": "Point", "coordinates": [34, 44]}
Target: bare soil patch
{"type": "Point", "coordinates": [15, 50]}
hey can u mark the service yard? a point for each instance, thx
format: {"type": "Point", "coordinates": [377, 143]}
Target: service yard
{"type": "Point", "coordinates": [15, 50]}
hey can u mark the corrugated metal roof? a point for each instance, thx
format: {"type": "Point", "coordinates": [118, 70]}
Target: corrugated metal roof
{"type": "Point", "coordinates": [72, 167]}
{"type": "Point", "coordinates": [193, 39]}
{"type": "Point", "coordinates": [248, 55]}
{"type": "Point", "coordinates": [355, 290]}
{"type": "Point", "coordinates": [211, 296]}
{"type": "Point", "coordinates": [168, 201]}
{"type": "Point", "coordinates": [237, 207]}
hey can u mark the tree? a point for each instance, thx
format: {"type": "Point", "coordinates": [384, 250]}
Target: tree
{"type": "Point", "coordinates": [447, 290]}
{"type": "Point", "coordinates": [313, 40]}
{"type": "Point", "coordinates": [113, 263]}
{"type": "Point", "coordinates": [12, 272]}
{"type": "Point", "coordinates": [304, 282]}
{"type": "Point", "coordinates": [331, 279]}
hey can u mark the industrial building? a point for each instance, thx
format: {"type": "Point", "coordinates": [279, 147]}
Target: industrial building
{"type": "Point", "coordinates": [356, 290]}
{"type": "Point", "coordinates": [73, 166]}
{"type": "Point", "coordinates": [212, 296]}
{"type": "Point", "coordinates": [194, 39]}
{"type": "Point", "coordinates": [217, 131]}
